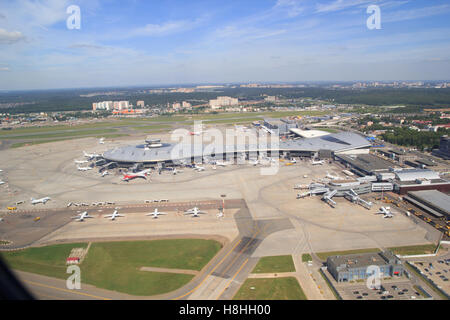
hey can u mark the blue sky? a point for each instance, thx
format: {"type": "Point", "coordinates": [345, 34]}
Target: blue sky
{"type": "Point", "coordinates": [147, 42]}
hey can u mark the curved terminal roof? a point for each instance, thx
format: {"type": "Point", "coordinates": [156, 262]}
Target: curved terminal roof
{"type": "Point", "coordinates": [342, 141]}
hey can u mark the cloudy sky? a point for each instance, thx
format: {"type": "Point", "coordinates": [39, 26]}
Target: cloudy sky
{"type": "Point", "coordinates": [152, 42]}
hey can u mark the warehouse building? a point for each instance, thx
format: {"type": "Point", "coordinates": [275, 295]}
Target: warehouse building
{"type": "Point", "coordinates": [419, 179]}
{"type": "Point", "coordinates": [355, 266]}
{"type": "Point", "coordinates": [431, 201]}
{"type": "Point", "coordinates": [365, 164]}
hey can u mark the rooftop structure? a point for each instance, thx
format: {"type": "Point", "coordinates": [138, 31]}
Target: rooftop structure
{"type": "Point", "coordinates": [308, 133]}
{"type": "Point", "coordinates": [339, 142]}
{"type": "Point", "coordinates": [432, 201]}
{"type": "Point", "coordinates": [366, 164]}
{"type": "Point", "coordinates": [355, 266]}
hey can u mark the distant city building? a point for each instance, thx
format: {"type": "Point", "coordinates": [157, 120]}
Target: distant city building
{"type": "Point", "coordinates": [140, 104]}
{"type": "Point", "coordinates": [111, 105]}
{"type": "Point", "coordinates": [270, 98]}
{"type": "Point", "coordinates": [444, 148]}
{"type": "Point", "coordinates": [223, 102]}
{"type": "Point", "coordinates": [186, 105]}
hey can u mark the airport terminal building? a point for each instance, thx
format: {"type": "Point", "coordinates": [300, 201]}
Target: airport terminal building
{"type": "Point", "coordinates": [153, 152]}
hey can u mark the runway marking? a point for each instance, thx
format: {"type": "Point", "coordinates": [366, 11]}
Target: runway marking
{"type": "Point", "coordinates": [65, 290]}
{"type": "Point", "coordinates": [231, 250]}
{"type": "Point", "coordinates": [237, 272]}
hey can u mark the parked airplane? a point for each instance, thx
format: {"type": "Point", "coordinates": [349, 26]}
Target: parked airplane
{"type": "Point", "coordinates": [332, 177]}
{"type": "Point", "coordinates": [198, 168]}
{"type": "Point", "coordinates": [386, 211]}
{"type": "Point", "coordinates": [91, 155]}
{"type": "Point", "coordinates": [222, 163]}
{"type": "Point", "coordinates": [81, 161]}
{"type": "Point", "coordinates": [254, 162]}
{"type": "Point", "coordinates": [42, 200]}
{"type": "Point", "coordinates": [2, 182]}
{"type": "Point", "coordinates": [195, 133]}
{"type": "Point", "coordinates": [84, 168]}
{"type": "Point", "coordinates": [105, 174]}
{"type": "Point", "coordinates": [142, 174]}
{"type": "Point", "coordinates": [195, 212]}
{"type": "Point", "coordinates": [155, 213]}
{"type": "Point", "coordinates": [101, 141]}
{"type": "Point", "coordinates": [114, 215]}
{"type": "Point", "coordinates": [80, 217]}
{"type": "Point", "coordinates": [315, 163]}
{"type": "Point", "coordinates": [1, 219]}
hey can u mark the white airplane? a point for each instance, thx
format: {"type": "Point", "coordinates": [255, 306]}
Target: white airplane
{"type": "Point", "coordinates": [254, 162]}
{"type": "Point", "coordinates": [219, 215]}
{"type": "Point", "coordinates": [198, 168]}
{"type": "Point", "coordinates": [105, 174]}
{"type": "Point", "coordinates": [319, 162]}
{"type": "Point", "coordinates": [2, 182]}
{"type": "Point", "coordinates": [84, 168]}
{"type": "Point", "coordinates": [175, 171]}
{"type": "Point", "coordinates": [114, 215]}
{"type": "Point", "coordinates": [155, 213]}
{"type": "Point", "coordinates": [1, 219]}
{"type": "Point", "coordinates": [82, 216]}
{"type": "Point", "coordinates": [332, 177]}
{"type": "Point", "coordinates": [195, 133]}
{"type": "Point", "coordinates": [195, 212]}
{"type": "Point", "coordinates": [222, 163]}
{"type": "Point", "coordinates": [101, 141]}
{"type": "Point", "coordinates": [386, 212]}
{"type": "Point", "coordinates": [42, 200]}
{"type": "Point", "coordinates": [91, 155]}
{"type": "Point", "coordinates": [81, 161]}
{"type": "Point", "coordinates": [142, 174]}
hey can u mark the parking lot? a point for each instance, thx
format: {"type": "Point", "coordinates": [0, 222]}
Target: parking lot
{"type": "Point", "coordinates": [392, 290]}
{"type": "Point", "coordinates": [436, 270]}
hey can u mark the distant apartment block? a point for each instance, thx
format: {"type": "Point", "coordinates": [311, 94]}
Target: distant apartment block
{"type": "Point", "coordinates": [223, 102]}
{"type": "Point", "coordinates": [111, 105]}
{"type": "Point", "coordinates": [140, 104]}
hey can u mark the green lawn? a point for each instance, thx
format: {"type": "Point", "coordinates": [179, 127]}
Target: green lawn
{"type": "Point", "coordinates": [275, 264]}
{"type": "Point", "coordinates": [60, 134]}
{"type": "Point", "coordinates": [49, 261]}
{"type": "Point", "coordinates": [324, 255]}
{"type": "Point", "coordinates": [306, 257]}
{"type": "Point", "coordinates": [115, 265]}
{"type": "Point", "coordinates": [271, 289]}
{"type": "Point", "coordinates": [413, 250]}
{"type": "Point", "coordinates": [29, 143]}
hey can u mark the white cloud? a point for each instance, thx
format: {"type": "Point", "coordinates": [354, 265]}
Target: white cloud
{"type": "Point", "coordinates": [339, 5]}
{"type": "Point", "coordinates": [167, 28]}
{"type": "Point", "coordinates": [10, 37]}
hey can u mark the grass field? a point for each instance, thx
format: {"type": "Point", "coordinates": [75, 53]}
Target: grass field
{"type": "Point", "coordinates": [49, 261]}
{"type": "Point", "coordinates": [413, 250]}
{"type": "Point", "coordinates": [29, 143]}
{"type": "Point", "coordinates": [115, 265]}
{"type": "Point", "coordinates": [306, 257]}
{"type": "Point", "coordinates": [324, 255]}
{"type": "Point", "coordinates": [286, 288]}
{"type": "Point", "coordinates": [275, 264]}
